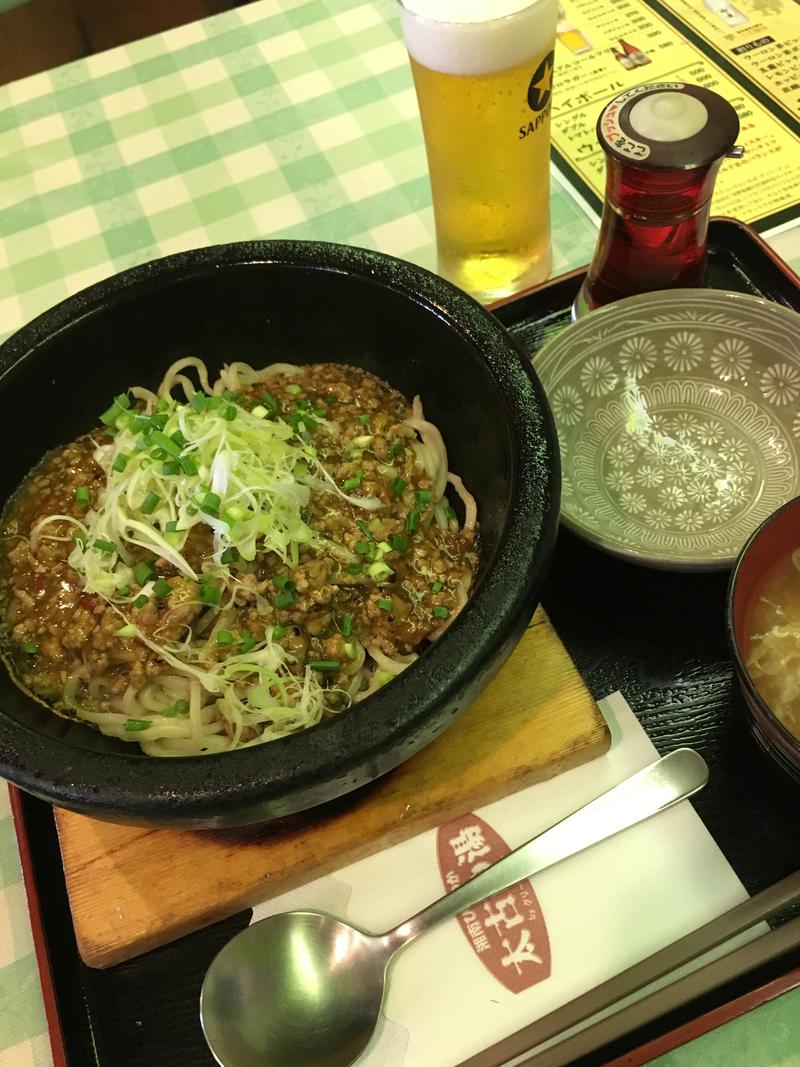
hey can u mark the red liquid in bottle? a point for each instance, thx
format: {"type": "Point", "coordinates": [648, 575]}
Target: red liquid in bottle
{"type": "Point", "coordinates": [654, 236]}
{"type": "Point", "coordinates": [654, 228]}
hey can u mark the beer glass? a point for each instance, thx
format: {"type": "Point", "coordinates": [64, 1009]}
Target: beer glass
{"type": "Point", "coordinates": [483, 76]}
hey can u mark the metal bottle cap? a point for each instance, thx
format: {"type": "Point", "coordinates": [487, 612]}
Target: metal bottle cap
{"type": "Point", "coordinates": [668, 125]}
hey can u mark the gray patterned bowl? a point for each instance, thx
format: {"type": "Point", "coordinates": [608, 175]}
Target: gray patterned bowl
{"type": "Point", "coordinates": [678, 420]}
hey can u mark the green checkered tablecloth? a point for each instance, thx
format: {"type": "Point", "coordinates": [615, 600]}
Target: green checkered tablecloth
{"type": "Point", "coordinates": [283, 118]}
{"type": "Point", "coordinates": [290, 118]}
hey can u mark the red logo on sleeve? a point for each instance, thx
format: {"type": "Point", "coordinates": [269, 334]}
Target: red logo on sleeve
{"type": "Point", "coordinates": [507, 932]}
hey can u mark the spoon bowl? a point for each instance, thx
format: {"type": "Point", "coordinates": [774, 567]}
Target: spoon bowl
{"type": "Point", "coordinates": [304, 989]}
{"type": "Point", "coordinates": [298, 987]}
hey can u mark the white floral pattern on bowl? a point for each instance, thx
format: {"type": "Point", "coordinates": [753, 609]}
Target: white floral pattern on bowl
{"type": "Point", "coordinates": [678, 421]}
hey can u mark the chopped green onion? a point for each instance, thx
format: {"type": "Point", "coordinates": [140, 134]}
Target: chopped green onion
{"type": "Point", "coordinates": [364, 529]}
{"type": "Point", "coordinates": [171, 526]}
{"type": "Point", "coordinates": [224, 637]}
{"type": "Point", "coordinates": [440, 612]}
{"type": "Point", "coordinates": [210, 503]}
{"type": "Point", "coordinates": [171, 447]}
{"type": "Point", "coordinates": [106, 547]}
{"type": "Point", "coordinates": [80, 539]}
{"type": "Point", "coordinates": [424, 496]}
{"type": "Point", "coordinates": [141, 600]}
{"type": "Point", "coordinates": [172, 466]}
{"type": "Point", "coordinates": [354, 482]}
{"type": "Point", "coordinates": [283, 581]}
{"type": "Point", "coordinates": [188, 466]}
{"type": "Point", "coordinates": [294, 389]}
{"type": "Point", "coordinates": [259, 411]}
{"type": "Point", "coordinates": [269, 402]}
{"type": "Point", "coordinates": [412, 521]}
{"type": "Point", "coordinates": [248, 641]}
{"type": "Point", "coordinates": [208, 594]}
{"type": "Point", "coordinates": [347, 624]}
{"type": "Point", "coordinates": [363, 419]}
{"type": "Point", "coordinates": [397, 449]}
{"type": "Point", "coordinates": [123, 401]}
{"type": "Point", "coordinates": [110, 416]}
{"type": "Point", "coordinates": [143, 572]}
{"type": "Point", "coordinates": [398, 542]}
{"type": "Point", "coordinates": [83, 496]}
{"type": "Point", "coordinates": [228, 412]}
{"type": "Point", "coordinates": [150, 503]}
{"type": "Point", "coordinates": [379, 571]}
{"type": "Point", "coordinates": [199, 403]}
{"type": "Point", "coordinates": [29, 647]}
{"type": "Point", "coordinates": [353, 568]}
{"type": "Point", "coordinates": [123, 590]}
{"type": "Point", "coordinates": [134, 725]}
{"type": "Point", "coordinates": [159, 421]}
{"type": "Point", "coordinates": [128, 630]}
{"type": "Point", "coordinates": [120, 463]}
{"type": "Point", "coordinates": [363, 548]}
{"type": "Point", "coordinates": [180, 707]}
{"type": "Point", "coordinates": [161, 588]}
{"type": "Point", "coordinates": [385, 603]}
{"type": "Point", "coordinates": [398, 486]}
{"type": "Point", "coordinates": [437, 587]}
{"type": "Point", "coordinates": [278, 633]}
{"type": "Point", "coordinates": [350, 649]}
{"type": "Point", "coordinates": [230, 555]}
{"type": "Point", "coordinates": [324, 664]}
{"type": "Point", "coordinates": [284, 599]}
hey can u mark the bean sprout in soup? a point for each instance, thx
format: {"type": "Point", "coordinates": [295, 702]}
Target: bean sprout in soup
{"type": "Point", "coordinates": [772, 650]}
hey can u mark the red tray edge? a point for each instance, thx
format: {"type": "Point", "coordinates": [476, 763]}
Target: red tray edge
{"type": "Point", "coordinates": [37, 926]}
{"type": "Point", "coordinates": [710, 1020]}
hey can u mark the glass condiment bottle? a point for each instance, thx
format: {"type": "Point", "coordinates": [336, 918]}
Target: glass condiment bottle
{"type": "Point", "coordinates": [664, 144]}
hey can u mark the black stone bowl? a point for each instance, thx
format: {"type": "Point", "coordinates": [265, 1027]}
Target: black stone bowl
{"type": "Point", "coordinates": [299, 302]}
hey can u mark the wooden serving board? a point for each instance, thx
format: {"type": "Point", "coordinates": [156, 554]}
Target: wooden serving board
{"type": "Point", "coordinates": [133, 889]}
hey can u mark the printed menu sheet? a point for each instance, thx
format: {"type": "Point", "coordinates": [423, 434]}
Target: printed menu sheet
{"type": "Point", "coordinates": [606, 46]}
{"type": "Point", "coordinates": [759, 38]}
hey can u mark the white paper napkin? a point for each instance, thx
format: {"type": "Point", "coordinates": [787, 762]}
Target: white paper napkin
{"type": "Point", "coordinates": [593, 915]}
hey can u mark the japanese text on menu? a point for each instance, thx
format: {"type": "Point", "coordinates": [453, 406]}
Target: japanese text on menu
{"type": "Point", "coordinates": [604, 48]}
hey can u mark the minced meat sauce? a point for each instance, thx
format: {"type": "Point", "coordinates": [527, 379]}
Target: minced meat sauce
{"type": "Point", "coordinates": [315, 610]}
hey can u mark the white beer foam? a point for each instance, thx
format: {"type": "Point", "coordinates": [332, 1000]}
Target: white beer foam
{"type": "Point", "coordinates": [477, 36]}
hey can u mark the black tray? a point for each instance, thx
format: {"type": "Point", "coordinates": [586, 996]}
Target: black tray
{"type": "Point", "coordinates": [658, 637]}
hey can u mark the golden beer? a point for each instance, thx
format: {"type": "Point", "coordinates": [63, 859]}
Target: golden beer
{"type": "Point", "coordinates": [484, 90]}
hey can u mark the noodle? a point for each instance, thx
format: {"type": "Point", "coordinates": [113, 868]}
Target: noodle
{"type": "Point", "coordinates": [228, 563]}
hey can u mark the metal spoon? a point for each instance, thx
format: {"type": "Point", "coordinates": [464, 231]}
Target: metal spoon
{"type": "Point", "coordinates": [304, 989]}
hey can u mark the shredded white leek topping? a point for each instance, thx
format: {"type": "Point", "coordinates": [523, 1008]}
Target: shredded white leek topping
{"type": "Point", "coordinates": [169, 468]}
{"type": "Point", "coordinates": [242, 477]}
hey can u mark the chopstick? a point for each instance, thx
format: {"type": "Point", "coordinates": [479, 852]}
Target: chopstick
{"type": "Point", "coordinates": [677, 993]}
{"type": "Point", "coordinates": [765, 904]}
